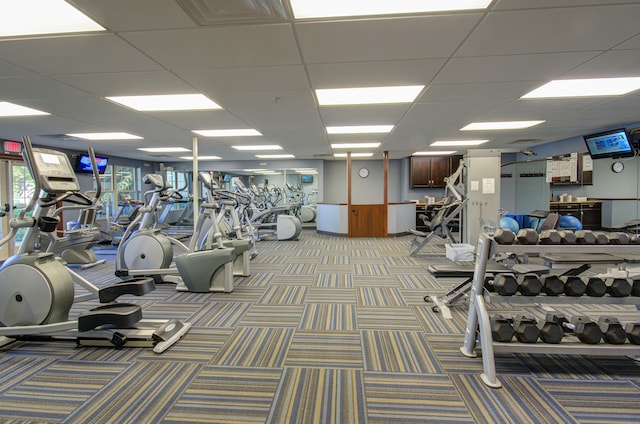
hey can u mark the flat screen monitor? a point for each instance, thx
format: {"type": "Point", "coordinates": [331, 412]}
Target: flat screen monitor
{"type": "Point", "coordinates": [226, 178]}
{"type": "Point", "coordinates": [306, 179]}
{"type": "Point", "coordinates": [84, 164]}
{"type": "Point", "coordinates": [609, 144]}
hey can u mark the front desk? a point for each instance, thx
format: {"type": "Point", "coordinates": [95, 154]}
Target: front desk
{"type": "Point", "coordinates": [333, 218]}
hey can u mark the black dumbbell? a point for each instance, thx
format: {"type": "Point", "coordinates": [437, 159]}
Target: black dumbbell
{"type": "Point", "coordinates": [551, 330]}
{"type": "Point", "coordinates": [618, 287]}
{"type": "Point", "coordinates": [550, 237]}
{"type": "Point", "coordinates": [505, 284]}
{"type": "Point", "coordinates": [552, 285]}
{"type": "Point", "coordinates": [635, 287]}
{"type": "Point", "coordinates": [602, 238]}
{"type": "Point", "coordinates": [501, 328]}
{"type": "Point", "coordinates": [526, 329]}
{"type": "Point", "coordinates": [633, 333]}
{"type": "Point", "coordinates": [529, 284]}
{"type": "Point", "coordinates": [582, 327]}
{"type": "Point", "coordinates": [568, 237]}
{"type": "Point", "coordinates": [527, 236]}
{"type": "Point", "coordinates": [504, 236]}
{"type": "Point", "coordinates": [619, 238]}
{"type": "Point", "coordinates": [612, 330]}
{"type": "Point", "coordinates": [595, 287]}
{"type": "Point", "coordinates": [585, 237]}
{"type": "Point", "coordinates": [574, 286]}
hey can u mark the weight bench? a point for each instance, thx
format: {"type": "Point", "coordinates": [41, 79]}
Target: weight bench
{"type": "Point", "coordinates": [439, 225]}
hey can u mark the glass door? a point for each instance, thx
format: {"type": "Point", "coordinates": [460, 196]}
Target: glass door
{"type": "Point", "coordinates": [16, 190]}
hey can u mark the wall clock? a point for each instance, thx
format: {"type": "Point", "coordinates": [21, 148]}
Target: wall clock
{"type": "Point", "coordinates": [363, 172]}
{"type": "Point", "coordinates": [617, 167]}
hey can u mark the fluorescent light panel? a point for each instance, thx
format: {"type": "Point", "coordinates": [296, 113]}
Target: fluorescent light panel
{"type": "Point", "coordinates": [368, 95]}
{"type": "Point", "coordinates": [228, 133]}
{"type": "Point", "coordinates": [11, 109]}
{"type": "Point", "coordinates": [353, 155]}
{"type": "Point", "coordinates": [442, 152]}
{"type": "Point", "coordinates": [504, 125]}
{"type": "Point", "coordinates": [33, 17]}
{"type": "Point", "coordinates": [106, 136]}
{"type": "Point", "coordinates": [360, 129]}
{"type": "Point", "coordinates": [458, 143]}
{"type": "Point", "coordinates": [163, 149]}
{"type": "Point", "coordinates": [309, 9]}
{"type": "Point", "coordinates": [585, 88]}
{"type": "Point", "coordinates": [284, 156]}
{"type": "Point", "coordinates": [258, 148]}
{"type": "Point", "coordinates": [201, 157]}
{"type": "Point", "coordinates": [354, 145]}
{"type": "Point", "coordinates": [166, 102]}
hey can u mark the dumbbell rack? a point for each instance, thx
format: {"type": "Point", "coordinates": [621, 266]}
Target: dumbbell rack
{"type": "Point", "coordinates": [478, 322]}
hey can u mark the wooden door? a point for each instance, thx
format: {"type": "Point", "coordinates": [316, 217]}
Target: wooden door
{"type": "Point", "coordinates": [367, 221]}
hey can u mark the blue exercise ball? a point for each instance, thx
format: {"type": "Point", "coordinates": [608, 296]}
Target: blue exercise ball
{"type": "Point", "coordinates": [570, 222]}
{"type": "Point", "coordinates": [507, 223]}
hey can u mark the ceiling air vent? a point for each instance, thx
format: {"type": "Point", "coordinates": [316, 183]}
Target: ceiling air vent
{"type": "Point", "coordinates": [226, 12]}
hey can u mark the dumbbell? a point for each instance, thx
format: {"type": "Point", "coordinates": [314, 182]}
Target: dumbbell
{"type": "Point", "coordinates": [504, 236]}
{"type": "Point", "coordinates": [501, 328]}
{"type": "Point", "coordinates": [633, 333]}
{"type": "Point", "coordinates": [550, 237]}
{"type": "Point", "coordinates": [635, 287]}
{"type": "Point", "coordinates": [582, 327]}
{"type": "Point", "coordinates": [552, 285]}
{"type": "Point", "coordinates": [551, 330]}
{"type": "Point", "coordinates": [527, 236]}
{"type": "Point", "coordinates": [505, 284]}
{"type": "Point", "coordinates": [568, 237]}
{"type": "Point", "coordinates": [618, 287]}
{"type": "Point", "coordinates": [526, 329]}
{"type": "Point", "coordinates": [595, 287]}
{"type": "Point", "coordinates": [635, 239]}
{"type": "Point", "coordinates": [574, 286]}
{"type": "Point", "coordinates": [612, 330]}
{"type": "Point", "coordinates": [585, 237]}
{"type": "Point", "coordinates": [619, 238]}
{"type": "Point", "coordinates": [529, 284]}
{"type": "Point", "coordinates": [602, 238]}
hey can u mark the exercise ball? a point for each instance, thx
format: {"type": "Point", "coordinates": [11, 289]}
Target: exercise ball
{"type": "Point", "coordinates": [507, 223]}
{"type": "Point", "coordinates": [570, 222]}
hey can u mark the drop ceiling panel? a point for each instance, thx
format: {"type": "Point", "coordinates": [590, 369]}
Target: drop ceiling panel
{"type": "Point", "coordinates": [537, 67]}
{"type": "Point", "coordinates": [633, 43]}
{"type": "Point", "coordinates": [475, 92]}
{"type": "Point", "coordinates": [246, 79]}
{"type": "Point", "coordinates": [371, 74]}
{"type": "Point", "coordinates": [10, 70]}
{"type": "Point", "coordinates": [34, 87]}
{"type": "Point", "coordinates": [363, 115]}
{"type": "Point", "coordinates": [211, 119]}
{"type": "Point", "coordinates": [383, 39]}
{"type": "Point", "coordinates": [537, 4]}
{"type": "Point", "coordinates": [266, 45]}
{"type": "Point", "coordinates": [552, 30]}
{"type": "Point", "coordinates": [76, 55]}
{"type": "Point", "coordinates": [615, 63]}
{"type": "Point", "coordinates": [128, 83]}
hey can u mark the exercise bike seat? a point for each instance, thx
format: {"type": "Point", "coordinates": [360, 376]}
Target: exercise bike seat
{"type": "Point", "coordinates": [115, 315]}
{"type": "Point", "coordinates": [138, 286]}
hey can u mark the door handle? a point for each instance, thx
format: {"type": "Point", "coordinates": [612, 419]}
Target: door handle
{"type": "Point", "coordinates": [7, 207]}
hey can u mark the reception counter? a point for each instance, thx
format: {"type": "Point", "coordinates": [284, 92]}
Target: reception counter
{"type": "Point", "coordinates": [333, 218]}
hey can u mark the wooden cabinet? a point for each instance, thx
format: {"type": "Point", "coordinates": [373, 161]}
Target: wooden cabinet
{"type": "Point", "coordinates": [430, 171]}
{"type": "Point", "coordinates": [589, 213]}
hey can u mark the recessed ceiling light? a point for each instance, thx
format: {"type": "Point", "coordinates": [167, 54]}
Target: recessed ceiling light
{"type": "Point", "coordinates": [307, 9]}
{"type": "Point", "coordinates": [353, 155]}
{"type": "Point", "coordinates": [368, 95]}
{"type": "Point", "coordinates": [163, 149]}
{"type": "Point", "coordinates": [228, 133]}
{"type": "Point", "coordinates": [354, 145]}
{"type": "Point", "coordinates": [585, 87]}
{"type": "Point", "coordinates": [106, 136]}
{"type": "Point", "coordinates": [258, 148]}
{"type": "Point", "coordinates": [10, 109]}
{"type": "Point", "coordinates": [166, 102]}
{"type": "Point", "coordinates": [360, 129]}
{"type": "Point", "coordinates": [505, 125]}
{"type": "Point", "coordinates": [458, 143]}
{"type": "Point", "coordinates": [285, 156]}
{"type": "Point", "coordinates": [32, 17]}
{"type": "Point", "coordinates": [442, 152]}
{"type": "Point", "coordinates": [201, 157]}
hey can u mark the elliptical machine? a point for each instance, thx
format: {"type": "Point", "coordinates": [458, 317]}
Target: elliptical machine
{"type": "Point", "coordinates": [147, 251]}
{"type": "Point", "coordinates": [37, 289]}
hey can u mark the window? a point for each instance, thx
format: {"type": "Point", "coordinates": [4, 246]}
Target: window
{"type": "Point", "coordinates": [124, 184]}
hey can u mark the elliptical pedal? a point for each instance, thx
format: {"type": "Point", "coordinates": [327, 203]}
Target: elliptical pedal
{"type": "Point", "coordinates": [116, 315]}
{"type": "Point", "coordinates": [138, 286]}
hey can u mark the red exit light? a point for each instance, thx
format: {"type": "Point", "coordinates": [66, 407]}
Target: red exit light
{"type": "Point", "coordinates": [12, 147]}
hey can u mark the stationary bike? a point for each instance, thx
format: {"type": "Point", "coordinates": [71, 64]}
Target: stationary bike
{"type": "Point", "coordinates": [37, 289]}
{"type": "Point", "coordinates": [147, 251]}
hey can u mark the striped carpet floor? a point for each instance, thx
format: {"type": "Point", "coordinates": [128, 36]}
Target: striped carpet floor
{"type": "Point", "coordinates": [324, 330]}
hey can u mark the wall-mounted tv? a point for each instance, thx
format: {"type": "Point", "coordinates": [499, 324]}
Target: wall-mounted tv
{"type": "Point", "coordinates": [226, 178]}
{"type": "Point", "coordinates": [306, 179]}
{"type": "Point", "coordinates": [609, 144]}
{"type": "Point", "coordinates": [84, 164]}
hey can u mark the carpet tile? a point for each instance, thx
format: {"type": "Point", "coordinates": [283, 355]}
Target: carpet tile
{"type": "Point", "coordinates": [325, 349]}
{"type": "Point", "coordinates": [261, 315]}
{"type": "Point", "coordinates": [398, 351]}
{"type": "Point", "coordinates": [339, 317]}
{"type": "Point", "coordinates": [387, 318]}
{"type": "Point", "coordinates": [255, 347]}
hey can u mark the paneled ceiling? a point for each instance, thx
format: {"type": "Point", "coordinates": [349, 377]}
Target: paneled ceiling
{"type": "Point", "coordinates": [252, 58]}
